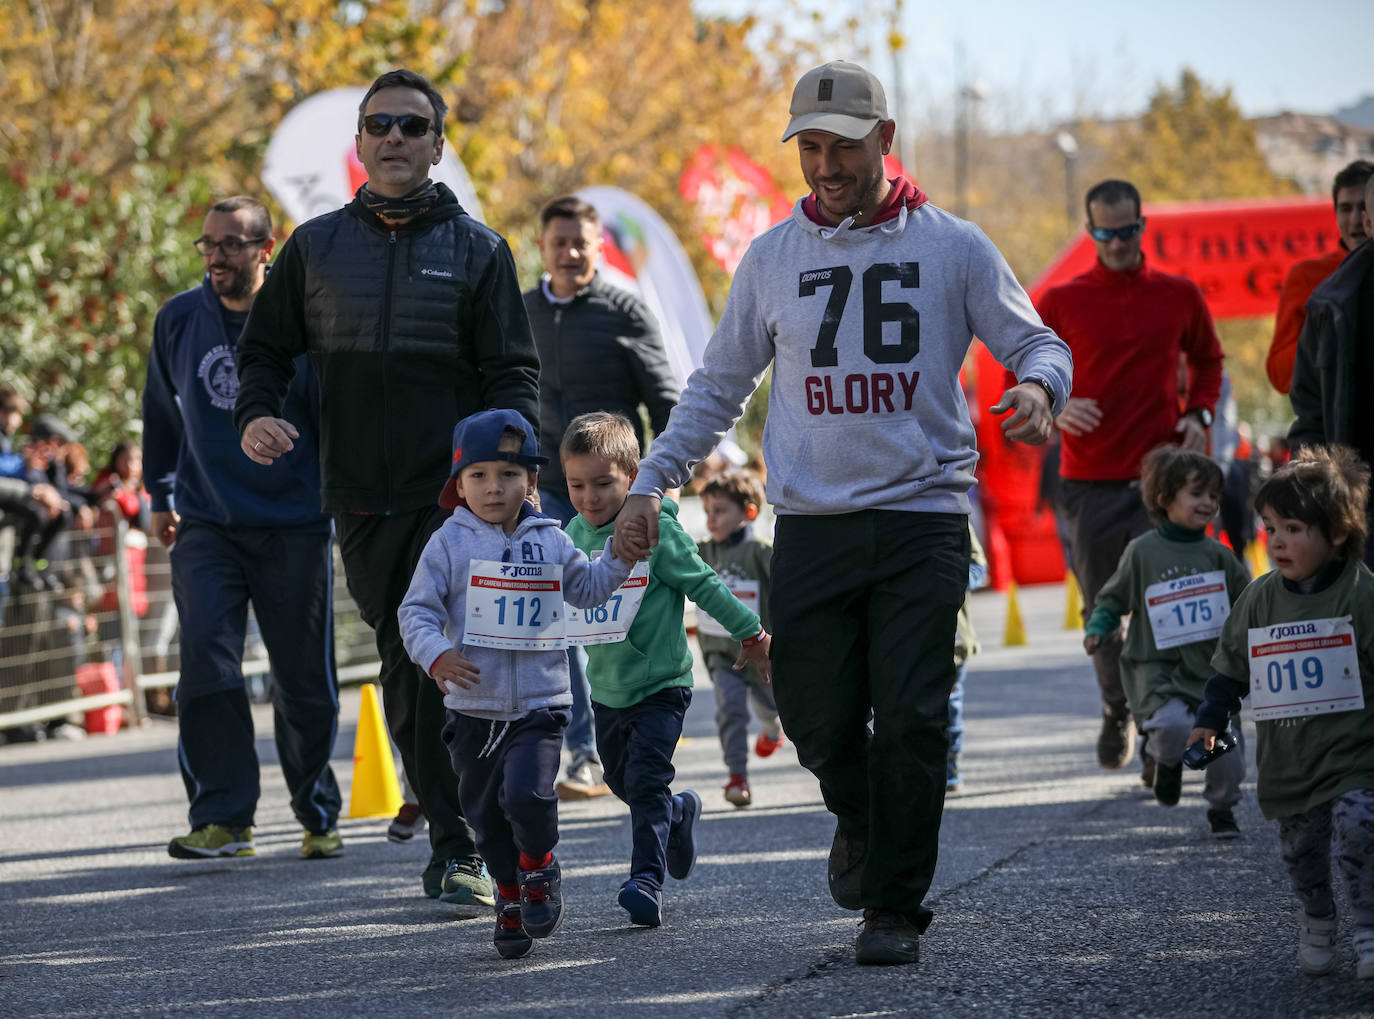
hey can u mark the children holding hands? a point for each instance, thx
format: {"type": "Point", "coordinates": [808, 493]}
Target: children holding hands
{"type": "Point", "coordinates": [1300, 642]}
{"type": "Point", "coordinates": [491, 582]}
{"type": "Point", "coordinates": [1179, 585]}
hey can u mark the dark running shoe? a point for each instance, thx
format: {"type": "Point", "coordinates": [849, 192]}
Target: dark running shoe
{"type": "Point", "coordinates": [644, 904]}
{"type": "Point", "coordinates": [1223, 824]}
{"type": "Point", "coordinates": [888, 938]}
{"type": "Point", "coordinates": [541, 900]}
{"type": "Point", "coordinates": [681, 854]}
{"type": "Point", "coordinates": [511, 939]}
{"type": "Point", "coordinates": [1168, 783]}
{"type": "Point", "coordinates": [846, 868]}
{"type": "Point", "coordinates": [406, 824]}
{"type": "Point", "coordinates": [467, 885]}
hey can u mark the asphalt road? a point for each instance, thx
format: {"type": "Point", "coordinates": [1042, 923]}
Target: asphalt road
{"type": "Point", "coordinates": [1061, 890]}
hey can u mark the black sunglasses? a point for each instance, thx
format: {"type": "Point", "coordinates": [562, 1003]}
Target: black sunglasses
{"type": "Point", "coordinates": [412, 124]}
{"type": "Point", "coordinates": [1125, 233]}
{"type": "Point", "coordinates": [231, 246]}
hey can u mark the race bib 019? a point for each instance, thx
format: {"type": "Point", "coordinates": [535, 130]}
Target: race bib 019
{"type": "Point", "coordinates": [515, 605]}
{"type": "Point", "coordinates": [1189, 609]}
{"type": "Point", "coordinates": [609, 622]}
{"type": "Point", "coordinates": [1306, 668]}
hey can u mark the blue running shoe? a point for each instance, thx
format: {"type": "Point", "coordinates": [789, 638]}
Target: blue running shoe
{"type": "Point", "coordinates": [644, 904]}
{"type": "Point", "coordinates": [682, 845]}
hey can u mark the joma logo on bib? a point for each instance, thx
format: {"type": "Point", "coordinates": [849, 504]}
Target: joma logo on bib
{"type": "Point", "coordinates": [507, 570]}
{"type": "Point", "coordinates": [1300, 630]}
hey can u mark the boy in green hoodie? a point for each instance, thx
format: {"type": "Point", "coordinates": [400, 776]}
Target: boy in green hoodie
{"type": "Point", "coordinates": [641, 680]}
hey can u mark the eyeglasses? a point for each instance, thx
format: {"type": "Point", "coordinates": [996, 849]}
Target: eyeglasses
{"type": "Point", "coordinates": [1125, 233]}
{"type": "Point", "coordinates": [231, 246]}
{"type": "Point", "coordinates": [412, 124]}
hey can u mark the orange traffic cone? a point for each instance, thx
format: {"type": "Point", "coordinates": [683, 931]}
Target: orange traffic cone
{"type": "Point", "coordinates": [1015, 632]}
{"type": "Point", "coordinates": [375, 792]}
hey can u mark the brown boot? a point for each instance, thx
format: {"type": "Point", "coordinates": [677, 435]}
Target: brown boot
{"type": "Point", "coordinates": [1116, 741]}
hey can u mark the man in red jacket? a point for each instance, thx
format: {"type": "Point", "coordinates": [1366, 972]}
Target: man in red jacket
{"type": "Point", "coordinates": [1126, 325]}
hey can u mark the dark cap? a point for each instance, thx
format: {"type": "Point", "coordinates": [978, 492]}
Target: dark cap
{"type": "Point", "coordinates": [477, 438]}
{"type": "Point", "coordinates": [48, 426]}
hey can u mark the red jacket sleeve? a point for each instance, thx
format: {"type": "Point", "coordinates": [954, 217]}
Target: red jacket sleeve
{"type": "Point", "coordinates": [1287, 326]}
{"type": "Point", "coordinates": [1203, 352]}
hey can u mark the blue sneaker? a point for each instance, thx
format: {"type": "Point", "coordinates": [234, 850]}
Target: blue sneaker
{"type": "Point", "coordinates": [511, 939]}
{"type": "Point", "coordinates": [681, 855]}
{"type": "Point", "coordinates": [541, 900]}
{"type": "Point", "coordinates": [644, 904]}
{"type": "Point", "coordinates": [467, 885]}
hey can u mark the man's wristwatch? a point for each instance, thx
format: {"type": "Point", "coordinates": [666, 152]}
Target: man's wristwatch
{"type": "Point", "coordinates": [1045, 386]}
{"type": "Point", "coordinates": [1204, 416]}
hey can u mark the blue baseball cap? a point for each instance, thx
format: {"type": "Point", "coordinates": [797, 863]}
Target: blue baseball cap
{"type": "Point", "coordinates": [477, 438]}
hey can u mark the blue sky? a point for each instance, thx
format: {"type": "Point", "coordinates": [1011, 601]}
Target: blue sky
{"type": "Point", "coordinates": [1042, 61]}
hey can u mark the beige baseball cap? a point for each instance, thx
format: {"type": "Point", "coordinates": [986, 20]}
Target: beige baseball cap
{"type": "Point", "coordinates": [839, 97]}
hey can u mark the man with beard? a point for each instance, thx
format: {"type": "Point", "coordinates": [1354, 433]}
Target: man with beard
{"type": "Point", "coordinates": [864, 301]}
{"type": "Point", "coordinates": [240, 534]}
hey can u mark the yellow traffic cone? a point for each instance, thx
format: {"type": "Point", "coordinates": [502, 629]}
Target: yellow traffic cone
{"type": "Point", "coordinates": [1015, 632]}
{"type": "Point", "coordinates": [375, 793]}
{"type": "Point", "coordinates": [1259, 559]}
{"type": "Point", "coordinates": [1073, 603]}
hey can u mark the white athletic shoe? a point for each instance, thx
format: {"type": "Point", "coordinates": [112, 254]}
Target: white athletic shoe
{"type": "Point", "coordinates": [1317, 943]}
{"type": "Point", "coordinates": [1364, 953]}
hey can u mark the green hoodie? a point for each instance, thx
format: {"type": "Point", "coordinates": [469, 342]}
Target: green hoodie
{"type": "Point", "coordinates": [654, 656]}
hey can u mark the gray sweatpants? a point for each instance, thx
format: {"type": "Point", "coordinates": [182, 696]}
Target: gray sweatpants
{"type": "Point", "coordinates": [1306, 842]}
{"type": "Point", "coordinates": [735, 691]}
{"type": "Point", "coordinates": [1168, 729]}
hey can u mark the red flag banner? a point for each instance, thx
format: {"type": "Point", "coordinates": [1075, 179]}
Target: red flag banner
{"type": "Point", "coordinates": [735, 200]}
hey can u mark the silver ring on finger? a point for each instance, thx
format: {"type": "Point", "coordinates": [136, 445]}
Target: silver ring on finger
{"type": "Point", "coordinates": [257, 445]}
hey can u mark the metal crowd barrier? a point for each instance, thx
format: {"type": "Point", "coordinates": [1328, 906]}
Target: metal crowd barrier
{"type": "Point", "coordinates": [108, 635]}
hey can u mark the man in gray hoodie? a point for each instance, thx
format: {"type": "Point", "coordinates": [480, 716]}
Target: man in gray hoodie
{"type": "Point", "coordinates": [865, 302]}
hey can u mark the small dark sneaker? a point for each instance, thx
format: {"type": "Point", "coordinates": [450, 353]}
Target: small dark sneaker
{"type": "Point", "coordinates": [1116, 741]}
{"type": "Point", "coordinates": [682, 845]}
{"type": "Point", "coordinates": [541, 900]}
{"type": "Point", "coordinates": [467, 885]}
{"type": "Point", "coordinates": [954, 778]}
{"type": "Point", "coordinates": [433, 877]}
{"type": "Point", "coordinates": [766, 745]}
{"type": "Point", "coordinates": [888, 938]}
{"type": "Point", "coordinates": [407, 823]}
{"type": "Point", "coordinates": [1223, 824]}
{"type": "Point", "coordinates": [737, 791]}
{"type": "Point", "coordinates": [511, 939]}
{"type": "Point", "coordinates": [1168, 783]}
{"type": "Point", "coordinates": [644, 904]}
{"type": "Point", "coordinates": [845, 869]}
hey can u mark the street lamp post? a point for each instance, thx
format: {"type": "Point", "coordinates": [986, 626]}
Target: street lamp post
{"type": "Point", "coordinates": [1067, 145]}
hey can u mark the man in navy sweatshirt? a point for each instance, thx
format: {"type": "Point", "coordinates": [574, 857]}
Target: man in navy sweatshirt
{"type": "Point", "coordinates": [240, 533]}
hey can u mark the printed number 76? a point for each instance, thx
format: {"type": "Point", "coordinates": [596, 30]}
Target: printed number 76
{"type": "Point", "coordinates": [877, 312]}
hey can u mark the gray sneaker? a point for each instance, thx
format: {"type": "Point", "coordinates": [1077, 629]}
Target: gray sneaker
{"type": "Point", "coordinates": [467, 885]}
{"type": "Point", "coordinates": [583, 781]}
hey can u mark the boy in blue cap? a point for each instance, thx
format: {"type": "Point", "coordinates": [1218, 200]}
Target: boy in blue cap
{"type": "Point", "coordinates": [491, 582]}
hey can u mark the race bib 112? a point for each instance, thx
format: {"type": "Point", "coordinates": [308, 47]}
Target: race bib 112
{"type": "Point", "coordinates": [515, 605]}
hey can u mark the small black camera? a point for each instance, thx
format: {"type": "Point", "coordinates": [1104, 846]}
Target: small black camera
{"type": "Point", "coordinates": [1198, 756]}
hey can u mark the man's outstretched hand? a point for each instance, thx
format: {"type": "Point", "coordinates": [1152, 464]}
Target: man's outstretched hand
{"type": "Point", "coordinates": [1032, 421]}
{"type": "Point", "coordinates": [636, 528]}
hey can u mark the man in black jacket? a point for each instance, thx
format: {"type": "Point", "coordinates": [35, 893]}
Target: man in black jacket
{"type": "Point", "coordinates": [599, 349]}
{"type": "Point", "coordinates": [1334, 370]}
{"type": "Point", "coordinates": [411, 313]}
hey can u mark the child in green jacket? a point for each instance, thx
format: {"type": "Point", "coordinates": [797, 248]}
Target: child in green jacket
{"type": "Point", "coordinates": [641, 682]}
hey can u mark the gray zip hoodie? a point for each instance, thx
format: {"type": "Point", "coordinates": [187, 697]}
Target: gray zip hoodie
{"type": "Point", "coordinates": [866, 330]}
{"type": "Point", "coordinates": [512, 683]}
